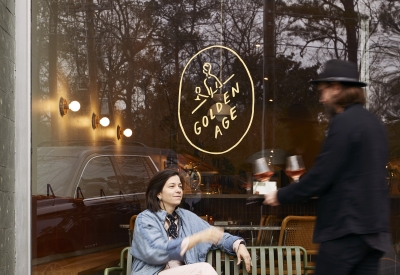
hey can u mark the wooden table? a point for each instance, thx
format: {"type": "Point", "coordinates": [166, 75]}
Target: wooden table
{"type": "Point", "coordinates": [249, 227]}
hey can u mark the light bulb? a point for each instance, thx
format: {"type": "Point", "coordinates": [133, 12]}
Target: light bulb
{"type": "Point", "coordinates": [127, 132]}
{"type": "Point", "coordinates": [105, 121]}
{"type": "Point", "coordinates": [74, 106]}
{"type": "Point", "coordinates": [220, 118]}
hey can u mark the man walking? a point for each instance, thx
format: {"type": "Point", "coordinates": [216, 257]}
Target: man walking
{"type": "Point", "coordinates": [348, 177]}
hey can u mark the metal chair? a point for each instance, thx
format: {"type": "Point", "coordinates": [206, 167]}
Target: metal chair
{"type": "Point", "coordinates": [125, 263]}
{"type": "Point", "coordinates": [272, 260]}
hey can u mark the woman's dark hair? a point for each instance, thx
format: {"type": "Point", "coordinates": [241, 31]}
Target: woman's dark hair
{"type": "Point", "coordinates": [350, 95]}
{"type": "Point", "coordinates": [156, 185]}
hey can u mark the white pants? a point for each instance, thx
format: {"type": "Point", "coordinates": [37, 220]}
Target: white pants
{"type": "Point", "coordinates": [191, 269]}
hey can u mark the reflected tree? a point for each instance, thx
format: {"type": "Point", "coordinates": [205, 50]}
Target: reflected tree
{"type": "Point", "coordinates": [330, 27]}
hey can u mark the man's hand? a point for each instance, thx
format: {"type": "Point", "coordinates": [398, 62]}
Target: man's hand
{"type": "Point", "coordinates": [271, 198]}
{"type": "Point", "coordinates": [243, 254]}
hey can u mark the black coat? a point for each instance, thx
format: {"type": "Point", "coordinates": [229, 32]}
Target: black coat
{"type": "Point", "coordinates": [348, 177]}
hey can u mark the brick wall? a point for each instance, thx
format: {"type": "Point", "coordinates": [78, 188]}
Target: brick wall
{"type": "Point", "coordinates": [7, 137]}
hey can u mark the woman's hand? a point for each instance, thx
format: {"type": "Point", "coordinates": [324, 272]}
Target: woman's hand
{"type": "Point", "coordinates": [243, 254]}
{"type": "Point", "coordinates": [210, 235]}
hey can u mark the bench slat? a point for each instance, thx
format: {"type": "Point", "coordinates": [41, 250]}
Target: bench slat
{"type": "Point", "coordinates": [278, 259]}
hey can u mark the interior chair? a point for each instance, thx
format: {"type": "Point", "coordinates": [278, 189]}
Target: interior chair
{"type": "Point", "coordinates": [259, 234]}
{"type": "Point", "coordinates": [268, 237]}
{"type": "Point", "coordinates": [204, 218]}
{"type": "Point", "coordinates": [298, 230]}
{"type": "Point", "coordinates": [131, 228]}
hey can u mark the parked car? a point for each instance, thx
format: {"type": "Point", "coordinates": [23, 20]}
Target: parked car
{"type": "Point", "coordinates": [83, 193]}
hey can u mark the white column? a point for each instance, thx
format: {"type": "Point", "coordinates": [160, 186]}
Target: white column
{"type": "Point", "coordinates": [23, 136]}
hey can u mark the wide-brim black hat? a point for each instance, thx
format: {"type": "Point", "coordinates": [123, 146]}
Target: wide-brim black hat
{"type": "Point", "coordinates": [340, 71]}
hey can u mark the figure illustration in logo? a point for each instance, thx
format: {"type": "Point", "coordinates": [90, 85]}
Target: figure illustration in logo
{"type": "Point", "coordinates": [212, 84]}
{"type": "Point", "coordinates": [198, 92]}
{"type": "Point", "coordinates": [211, 80]}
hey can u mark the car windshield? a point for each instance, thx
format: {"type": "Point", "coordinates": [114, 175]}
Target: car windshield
{"type": "Point", "coordinates": [54, 170]}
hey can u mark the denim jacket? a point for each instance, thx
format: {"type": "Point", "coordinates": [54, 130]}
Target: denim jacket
{"type": "Point", "coordinates": [151, 249]}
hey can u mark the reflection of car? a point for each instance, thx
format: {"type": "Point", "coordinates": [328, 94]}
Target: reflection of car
{"type": "Point", "coordinates": [83, 194]}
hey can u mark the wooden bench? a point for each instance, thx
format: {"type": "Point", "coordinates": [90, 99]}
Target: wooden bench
{"type": "Point", "coordinates": [272, 260]}
{"type": "Point", "coordinates": [81, 265]}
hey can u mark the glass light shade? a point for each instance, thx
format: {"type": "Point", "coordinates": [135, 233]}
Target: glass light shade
{"type": "Point", "coordinates": [127, 132]}
{"type": "Point", "coordinates": [74, 106]}
{"type": "Point", "coordinates": [104, 121]}
{"type": "Point", "coordinates": [220, 110]}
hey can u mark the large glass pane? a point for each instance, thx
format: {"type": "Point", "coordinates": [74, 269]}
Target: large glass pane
{"type": "Point", "coordinates": [135, 173]}
{"type": "Point", "coordinates": [205, 87]}
{"type": "Point", "coordinates": [99, 179]}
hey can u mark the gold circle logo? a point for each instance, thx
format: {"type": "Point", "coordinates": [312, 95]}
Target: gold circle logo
{"type": "Point", "coordinates": [216, 100]}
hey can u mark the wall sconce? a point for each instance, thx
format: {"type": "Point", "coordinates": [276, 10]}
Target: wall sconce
{"type": "Point", "coordinates": [127, 132]}
{"type": "Point", "coordinates": [95, 121]}
{"type": "Point", "coordinates": [219, 109]}
{"type": "Point", "coordinates": [105, 121]}
{"type": "Point", "coordinates": [64, 106]}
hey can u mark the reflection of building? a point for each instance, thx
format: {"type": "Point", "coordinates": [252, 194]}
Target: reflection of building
{"type": "Point", "coordinates": [196, 172]}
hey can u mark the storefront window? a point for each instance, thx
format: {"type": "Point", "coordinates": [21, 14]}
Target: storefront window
{"type": "Point", "coordinates": [205, 87]}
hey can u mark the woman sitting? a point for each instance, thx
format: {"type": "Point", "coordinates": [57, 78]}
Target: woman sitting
{"type": "Point", "coordinates": [169, 240]}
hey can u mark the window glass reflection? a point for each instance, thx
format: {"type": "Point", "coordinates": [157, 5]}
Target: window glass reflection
{"type": "Point", "coordinates": [99, 179]}
{"type": "Point", "coordinates": [136, 173]}
{"type": "Point", "coordinates": [139, 64]}
{"type": "Point", "coordinates": [54, 171]}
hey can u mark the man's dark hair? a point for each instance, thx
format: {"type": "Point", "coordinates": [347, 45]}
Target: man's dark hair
{"type": "Point", "coordinates": [156, 185]}
{"type": "Point", "coordinates": [350, 95]}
